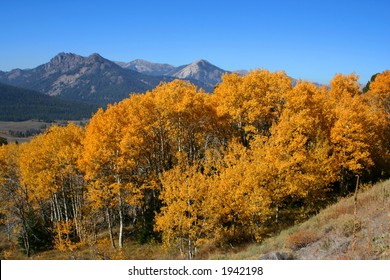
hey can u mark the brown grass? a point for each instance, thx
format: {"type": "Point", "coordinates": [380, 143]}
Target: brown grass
{"type": "Point", "coordinates": [301, 239]}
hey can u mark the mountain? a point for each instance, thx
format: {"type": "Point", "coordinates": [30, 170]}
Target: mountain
{"type": "Point", "coordinates": [97, 80]}
{"type": "Point", "coordinates": [93, 79]}
{"type": "Point", "coordinates": [242, 72]}
{"type": "Point", "coordinates": [18, 104]}
{"type": "Point", "coordinates": [200, 70]}
{"type": "Point", "coordinates": [146, 67]}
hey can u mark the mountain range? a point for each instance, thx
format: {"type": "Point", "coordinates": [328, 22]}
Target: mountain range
{"type": "Point", "coordinates": [97, 80]}
{"type": "Point", "coordinates": [200, 70]}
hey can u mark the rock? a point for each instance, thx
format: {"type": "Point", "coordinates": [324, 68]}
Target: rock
{"type": "Point", "coordinates": [277, 256]}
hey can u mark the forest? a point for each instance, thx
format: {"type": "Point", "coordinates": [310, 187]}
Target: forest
{"type": "Point", "coordinates": [19, 104]}
{"type": "Point", "coordinates": [185, 168]}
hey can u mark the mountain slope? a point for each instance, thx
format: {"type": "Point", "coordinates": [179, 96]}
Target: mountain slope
{"type": "Point", "coordinates": [18, 104]}
{"type": "Point", "coordinates": [97, 80]}
{"type": "Point", "coordinates": [330, 234]}
{"type": "Point", "coordinates": [146, 67]}
{"type": "Point", "coordinates": [93, 79]}
{"type": "Point", "coordinates": [200, 70]}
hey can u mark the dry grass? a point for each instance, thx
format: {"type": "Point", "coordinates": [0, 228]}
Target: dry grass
{"type": "Point", "coordinates": [329, 234]}
{"type": "Point", "coordinates": [301, 239]}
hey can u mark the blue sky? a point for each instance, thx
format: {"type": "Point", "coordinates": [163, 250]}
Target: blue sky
{"type": "Point", "coordinates": [311, 40]}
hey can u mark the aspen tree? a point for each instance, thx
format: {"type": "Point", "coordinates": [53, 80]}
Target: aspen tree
{"type": "Point", "coordinates": [107, 166]}
{"type": "Point", "coordinates": [252, 102]}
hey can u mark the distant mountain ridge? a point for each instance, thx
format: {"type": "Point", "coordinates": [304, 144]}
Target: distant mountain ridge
{"type": "Point", "coordinates": [93, 79]}
{"type": "Point", "coordinates": [97, 80]}
{"type": "Point", "coordinates": [200, 70]}
{"type": "Point", "coordinates": [146, 67]}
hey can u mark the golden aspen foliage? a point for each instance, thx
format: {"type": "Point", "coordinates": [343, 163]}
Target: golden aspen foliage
{"type": "Point", "coordinates": [107, 164]}
{"type": "Point", "coordinates": [295, 163]}
{"type": "Point", "coordinates": [188, 117]}
{"type": "Point", "coordinates": [11, 193]}
{"type": "Point", "coordinates": [342, 86]}
{"type": "Point", "coordinates": [252, 102]}
{"type": "Point", "coordinates": [8, 165]}
{"type": "Point", "coordinates": [15, 200]}
{"type": "Point", "coordinates": [49, 170]}
{"type": "Point", "coordinates": [174, 121]}
{"type": "Point", "coordinates": [238, 205]}
{"type": "Point", "coordinates": [351, 135]}
{"type": "Point", "coordinates": [378, 98]}
{"type": "Point", "coordinates": [50, 159]}
{"type": "Point", "coordinates": [174, 117]}
{"type": "Point", "coordinates": [380, 90]}
{"type": "Point", "coordinates": [357, 130]}
{"type": "Point", "coordinates": [347, 131]}
{"type": "Point", "coordinates": [183, 219]}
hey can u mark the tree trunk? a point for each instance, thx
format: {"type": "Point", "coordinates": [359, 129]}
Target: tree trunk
{"type": "Point", "coordinates": [110, 227]}
{"type": "Point", "coordinates": [75, 218]}
{"type": "Point", "coordinates": [26, 239]}
{"type": "Point", "coordinates": [65, 209]}
{"type": "Point", "coordinates": [189, 248]}
{"type": "Point", "coordinates": [120, 223]}
{"type": "Point", "coordinates": [355, 222]}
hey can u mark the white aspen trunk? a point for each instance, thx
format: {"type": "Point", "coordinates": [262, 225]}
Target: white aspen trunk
{"type": "Point", "coordinates": [54, 209]}
{"type": "Point", "coordinates": [52, 213]}
{"type": "Point", "coordinates": [65, 210]}
{"type": "Point", "coordinates": [179, 136]}
{"type": "Point", "coordinates": [76, 218]}
{"type": "Point", "coordinates": [109, 227]}
{"type": "Point", "coordinates": [57, 208]}
{"type": "Point", "coordinates": [162, 151]}
{"type": "Point", "coordinates": [120, 223]}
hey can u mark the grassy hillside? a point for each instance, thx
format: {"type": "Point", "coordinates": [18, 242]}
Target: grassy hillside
{"type": "Point", "coordinates": [328, 235]}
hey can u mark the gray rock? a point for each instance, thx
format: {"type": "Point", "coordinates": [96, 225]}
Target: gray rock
{"type": "Point", "coordinates": [276, 256]}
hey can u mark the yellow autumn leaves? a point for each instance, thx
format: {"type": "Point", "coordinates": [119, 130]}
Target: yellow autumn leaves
{"type": "Point", "coordinates": [202, 168]}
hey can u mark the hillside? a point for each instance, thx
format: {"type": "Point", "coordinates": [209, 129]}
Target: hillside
{"type": "Point", "coordinates": [329, 235]}
{"type": "Point", "coordinates": [18, 104]}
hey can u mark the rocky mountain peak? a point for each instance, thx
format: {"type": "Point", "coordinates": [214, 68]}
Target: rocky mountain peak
{"type": "Point", "coordinates": [64, 62]}
{"type": "Point", "coordinates": [95, 57]}
{"type": "Point", "coordinates": [201, 70]}
{"type": "Point", "coordinates": [201, 62]}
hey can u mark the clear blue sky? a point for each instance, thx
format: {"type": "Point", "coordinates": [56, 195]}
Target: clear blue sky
{"type": "Point", "coordinates": [311, 40]}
